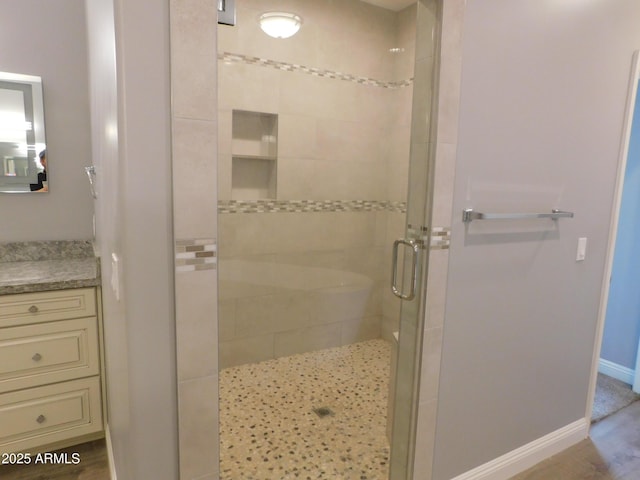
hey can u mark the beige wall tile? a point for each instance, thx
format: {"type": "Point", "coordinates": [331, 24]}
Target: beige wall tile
{"type": "Point", "coordinates": [294, 232]}
{"type": "Point", "coordinates": [391, 306]}
{"type": "Point", "coordinates": [424, 37]}
{"type": "Point", "coordinates": [307, 339]}
{"type": "Point", "coordinates": [422, 96]}
{"type": "Point", "coordinates": [425, 440]}
{"type": "Point", "coordinates": [364, 181]}
{"type": "Point", "coordinates": [196, 324]}
{"type": "Point", "coordinates": [397, 182]}
{"type": "Point", "coordinates": [395, 228]}
{"type": "Point", "coordinates": [297, 179]}
{"type": "Point", "coordinates": [193, 58]}
{"type": "Point", "coordinates": [396, 143]}
{"type": "Point", "coordinates": [349, 141]}
{"type": "Point", "coordinates": [194, 178]}
{"type": "Point", "coordinates": [245, 350]}
{"type": "Point", "coordinates": [292, 102]}
{"type": "Point", "coordinates": [436, 288]}
{"type": "Point", "coordinates": [224, 176]}
{"type": "Point", "coordinates": [226, 319]}
{"type": "Point", "coordinates": [360, 330]}
{"type": "Point", "coordinates": [450, 77]}
{"type": "Point", "coordinates": [198, 437]}
{"type": "Point", "coordinates": [225, 122]}
{"type": "Point", "coordinates": [389, 326]}
{"type": "Point", "coordinates": [341, 303]}
{"type": "Point", "coordinates": [230, 290]}
{"type": "Point", "coordinates": [248, 87]}
{"type": "Point", "coordinates": [381, 228]}
{"type": "Point", "coordinates": [329, 181]}
{"type": "Point", "coordinates": [443, 187]}
{"type": "Point", "coordinates": [373, 104]}
{"type": "Point", "coordinates": [400, 108]}
{"type": "Point", "coordinates": [297, 136]}
{"type": "Point", "coordinates": [366, 260]}
{"type": "Point", "coordinates": [274, 313]}
{"type": "Point", "coordinates": [430, 372]}
{"type": "Point", "coordinates": [405, 38]}
{"type": "Point", "coordinates": [334, 259]}
{"type": "Point", "coordinates": [452, 22]}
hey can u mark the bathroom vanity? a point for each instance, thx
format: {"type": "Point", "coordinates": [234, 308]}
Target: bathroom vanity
{"type": "Point", "coordinates": [51, 374]}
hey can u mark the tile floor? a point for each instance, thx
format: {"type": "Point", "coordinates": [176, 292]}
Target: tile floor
{"type": "Point", "coordinates": [269, 430]}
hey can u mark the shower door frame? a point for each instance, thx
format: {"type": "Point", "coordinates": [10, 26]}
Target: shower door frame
{"type": "Point", "coordinates": [419, 234]}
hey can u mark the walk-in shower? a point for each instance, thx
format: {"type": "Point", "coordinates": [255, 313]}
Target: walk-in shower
{"type": "Point", "coordinates": [323, 162]}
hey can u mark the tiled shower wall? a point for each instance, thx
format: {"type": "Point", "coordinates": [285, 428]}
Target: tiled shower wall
{"type": "Point", "coordinates": [194, 131]}
{"type": "Point", "coordinates": [343, 136]}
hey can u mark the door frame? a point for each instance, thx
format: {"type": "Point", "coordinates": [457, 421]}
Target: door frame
{"type": "Point", "coordinates": [613, 233]}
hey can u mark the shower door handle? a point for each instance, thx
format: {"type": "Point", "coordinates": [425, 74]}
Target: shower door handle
{"type": "Point", "coordinates": [415, 250]}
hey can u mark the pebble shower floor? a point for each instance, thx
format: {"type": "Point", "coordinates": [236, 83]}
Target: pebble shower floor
{"type": "Point", "coordinates": [317, 415]}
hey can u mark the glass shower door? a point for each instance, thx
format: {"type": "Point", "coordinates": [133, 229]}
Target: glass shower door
{"type": "Point", "coordinates": [410, 254]}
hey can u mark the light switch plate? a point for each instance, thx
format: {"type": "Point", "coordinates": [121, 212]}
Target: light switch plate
{"type": "Point", "coordinates": [115, 275]}
{"type": "Point", "coordinates": [582, 249]}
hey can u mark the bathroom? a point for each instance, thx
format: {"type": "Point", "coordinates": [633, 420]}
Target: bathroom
{"type": "Point", "coordinates": [339, 245]}
{"type": "Point", "coordinates": [138, 138]}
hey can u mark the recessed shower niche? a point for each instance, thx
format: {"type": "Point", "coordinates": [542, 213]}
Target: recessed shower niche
{"type": "Point", "coordinates": [254, 148]}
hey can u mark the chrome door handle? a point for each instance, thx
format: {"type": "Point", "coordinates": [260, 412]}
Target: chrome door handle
{"type": "Point", "coordinates": [415, 249]}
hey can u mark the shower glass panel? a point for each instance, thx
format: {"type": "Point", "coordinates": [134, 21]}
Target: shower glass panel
{"type": "Point", "coordinates": [417, 232]}
{"type": "Point", "coordinates": [306, 317]}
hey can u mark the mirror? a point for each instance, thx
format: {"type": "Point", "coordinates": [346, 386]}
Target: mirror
{"type": "Point", "coordinates": [23, 160]}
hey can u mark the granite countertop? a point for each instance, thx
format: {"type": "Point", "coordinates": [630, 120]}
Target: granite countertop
{"type": "Point", "coordinates": [55, 266]}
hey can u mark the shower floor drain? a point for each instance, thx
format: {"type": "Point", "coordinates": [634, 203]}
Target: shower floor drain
{"type": "Point", "coordinates": [323, 412]}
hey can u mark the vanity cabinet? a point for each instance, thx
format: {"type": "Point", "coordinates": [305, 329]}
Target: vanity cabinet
{"type": "Point", "coordinates": [50, 369]}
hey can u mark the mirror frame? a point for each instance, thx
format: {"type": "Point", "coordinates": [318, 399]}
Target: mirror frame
{"type": "Point", "coordinates": [31, 88]}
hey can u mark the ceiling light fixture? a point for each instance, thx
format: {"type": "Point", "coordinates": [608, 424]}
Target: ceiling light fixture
{"type": "Point", "coordinates": [280, 24]}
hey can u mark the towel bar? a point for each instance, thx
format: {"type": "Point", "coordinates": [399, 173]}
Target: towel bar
{"type": "Point", "coordinates": [469, 214]}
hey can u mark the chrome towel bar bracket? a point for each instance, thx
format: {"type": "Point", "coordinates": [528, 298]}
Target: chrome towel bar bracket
{"type": "Point", "coordinates": [469, 215]}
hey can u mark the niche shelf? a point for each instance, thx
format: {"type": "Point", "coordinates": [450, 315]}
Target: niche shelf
{"type": "Point", "coordinates": [254, 148]}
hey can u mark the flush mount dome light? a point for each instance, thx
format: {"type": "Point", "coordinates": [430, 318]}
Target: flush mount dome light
{"type": "Point", "coordinates": [280, 24]}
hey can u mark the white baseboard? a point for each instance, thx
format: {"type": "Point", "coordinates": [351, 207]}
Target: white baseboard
{"type": "Point", "coordinates": [516, 461]}
{"type": "Point", "coordinates": [112, 463]}
{"type": "Point", "coordinates": [624, 374]}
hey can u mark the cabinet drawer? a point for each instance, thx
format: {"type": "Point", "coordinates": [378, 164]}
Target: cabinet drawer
{"type": "Point", "coordinates": [33, 355]}
{"type": "Point", "coordinates": [52, 413]}
{"type": "Point", "coordinates": [26, 308]}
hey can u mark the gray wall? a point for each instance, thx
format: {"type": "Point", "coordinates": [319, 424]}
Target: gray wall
{"type": "Point", "coordinates": [543, 96]}
{"type": "Point", "coordinates": [48, 39]}
{"type": "Point", "coordinates": [131, 139]}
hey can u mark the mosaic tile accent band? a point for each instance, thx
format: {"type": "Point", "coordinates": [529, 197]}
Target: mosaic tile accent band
{"type": "Point", "coordinates": [304, 206]}
{"type": "Point", "coordinates": [196, 254]}
{"type": "Point", "coordinates": [316, 72]}
{"type": "Point", "coordinates": [440, 238]}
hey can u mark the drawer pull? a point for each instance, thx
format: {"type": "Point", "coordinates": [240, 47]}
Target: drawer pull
{"type": "Point", "coordinates": [41, 418]}
{"type": "Point", "coordinates": [33, 309]}
{"type": "Point", "coordinates": [37, 357]}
